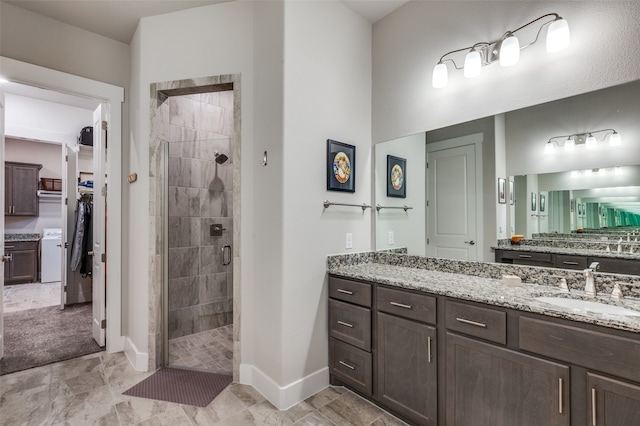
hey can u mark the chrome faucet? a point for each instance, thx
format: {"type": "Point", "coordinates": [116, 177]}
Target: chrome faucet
{"type": "Point", "coordinates": [590, 285]}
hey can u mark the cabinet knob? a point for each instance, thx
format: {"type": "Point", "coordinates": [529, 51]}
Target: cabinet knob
{"type": "Point", "coordinates": [6, 257]}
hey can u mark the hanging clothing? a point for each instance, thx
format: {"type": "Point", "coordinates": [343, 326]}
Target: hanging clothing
{"type": "Point", "coordinates": [82, 237]}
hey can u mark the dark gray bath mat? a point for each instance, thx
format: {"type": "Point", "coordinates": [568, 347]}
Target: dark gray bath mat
{"type": "Point", "coordinates": [42, 336]}
{"type": "Point", "coordinates": [181, 386]}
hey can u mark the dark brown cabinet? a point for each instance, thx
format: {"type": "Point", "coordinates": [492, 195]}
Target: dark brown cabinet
{"type": "Point", "coordinates": [612, 402]}
{"type": "Point", "coordinates": [407, 376]}
{"type": "Point", "coordinates": [490, 385]}
{"type": "Point", "coordinates": [22, 266]}
{"type": "Point", "coordinates": [563, 261]}
{"type": "Point", "coordinates": [21, 189]}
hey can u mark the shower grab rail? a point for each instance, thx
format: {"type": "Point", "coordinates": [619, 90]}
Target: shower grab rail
{"type": "Point", "coordinates": [327, 204]}
{"type": "Point", "coordinates": [226, 250]}
{"type": "Point", "coordinates": [405, 208]}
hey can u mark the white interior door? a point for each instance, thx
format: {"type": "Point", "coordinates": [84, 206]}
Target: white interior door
{"type": "Point", "coordinates": [98, 220]}
{"type": "Point", "coordinates": [69, 189]}
{"type": "Point", "coordinates": [2, 224]}
{"type": "Point", "coordinates": [452, 209]}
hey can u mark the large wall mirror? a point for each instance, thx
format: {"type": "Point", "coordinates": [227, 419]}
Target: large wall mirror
{"type": "Point", "coordinates": [453, 176]}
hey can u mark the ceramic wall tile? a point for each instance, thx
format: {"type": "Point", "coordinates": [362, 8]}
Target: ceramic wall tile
{"type": "Point", "coordinates": [213, 287]}
{"type": "Point", "coordinates": [183, 292]}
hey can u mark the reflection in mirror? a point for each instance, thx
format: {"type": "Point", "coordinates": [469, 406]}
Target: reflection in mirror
{"type": "Point", "coordinates": [513, 144]}
{"type": "Point", "coordinates": [605, 199]}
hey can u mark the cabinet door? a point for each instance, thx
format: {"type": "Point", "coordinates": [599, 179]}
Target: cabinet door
{"type": "Point", "coordinates": [489, 385]}
{"type": "Point", "coordinates": [25, 190]}
{"type": "Point", "coordinates": [407, 368]}
{"type": "Point", "coordinates": [612, 402]}
{"type": "Point", "coordinates": [23, 266]}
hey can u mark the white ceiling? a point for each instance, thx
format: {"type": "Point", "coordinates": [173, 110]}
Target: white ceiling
{"type": "Point", "coordinates": [118, 19]}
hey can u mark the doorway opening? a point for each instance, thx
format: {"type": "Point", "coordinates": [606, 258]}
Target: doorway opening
{"type": "Point", "coordinates": [197, 136]}
{"type": "Point", "coordinates": [49, 270]}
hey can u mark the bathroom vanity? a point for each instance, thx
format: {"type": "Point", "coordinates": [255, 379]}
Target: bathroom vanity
{"type": "Point", "coordinates": [441, 348]}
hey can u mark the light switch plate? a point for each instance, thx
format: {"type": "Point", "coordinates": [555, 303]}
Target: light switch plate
{"type": "Point", "coordinates": [392, 239]}
{"type": "Point", "coordinates": [349, 240]}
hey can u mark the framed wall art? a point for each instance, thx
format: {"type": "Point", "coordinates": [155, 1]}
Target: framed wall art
{"type": "Point", "coordinates": [341, 166]}
{"type": "Point", "coordinates": [396, 177]}
{"type": "Point", "coordinates": [502, 191]}
{"type": "Point", "coordinates": [534, 198]}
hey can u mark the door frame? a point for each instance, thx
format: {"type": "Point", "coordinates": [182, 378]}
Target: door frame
{"type": "Point", "coordinates": [475, 139]}
{"type": "Point", "coordinates": [34, 75]}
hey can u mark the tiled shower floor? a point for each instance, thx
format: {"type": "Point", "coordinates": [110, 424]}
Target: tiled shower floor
{"type": "Point", "coordinates": [211, 350]}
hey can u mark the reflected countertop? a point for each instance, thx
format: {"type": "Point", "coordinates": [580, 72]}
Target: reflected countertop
{"type": "Point", "coordinates": [21, 237]}
{"type": "Point", "coordinates": [489, 291]}
{"type": "Point", "coordinates": [573, 251]}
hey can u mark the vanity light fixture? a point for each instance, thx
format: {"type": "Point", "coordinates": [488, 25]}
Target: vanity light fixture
{"type": "Point", "coordinates": [587, 139]}
{"type": "Point", "coordinates": [506, 50]}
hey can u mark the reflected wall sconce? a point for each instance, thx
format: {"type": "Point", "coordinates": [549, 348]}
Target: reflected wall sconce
{"type": "Point", "coordinates": [506, 50]}
{"type": "Point", "coordinates": [587, 139]}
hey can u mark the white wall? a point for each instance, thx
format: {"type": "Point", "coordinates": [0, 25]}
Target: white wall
{"type": "Point", "coordinates": [409, 227]}
{"type": "Point", "coordinates": [409, 42]}
{"type": "Point", "coordinates": [327, 96]}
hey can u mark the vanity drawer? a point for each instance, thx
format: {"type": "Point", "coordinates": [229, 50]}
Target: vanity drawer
{"type": "Point", "coordinates": [570, 262]}
{"type": "Point", "coordinates": [351, 365]}
{"type": "Point", "coordinates": [484, 323]}
{"type": "Point", "coordinates": [419, 307]}
{"type": "Point", "coordinates": [350, 291]}
{"type": "Point", "coordinates": [527, 256]}
{"type": "Point", "coordinates": [350, 323]}
{"type": "Point", "coordinates": [603, 352]}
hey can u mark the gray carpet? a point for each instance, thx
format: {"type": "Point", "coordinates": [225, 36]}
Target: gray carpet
{"type": "Point", "coordinates": [187, 387]}
{"type": "Point", "coordinates": [42, 336]}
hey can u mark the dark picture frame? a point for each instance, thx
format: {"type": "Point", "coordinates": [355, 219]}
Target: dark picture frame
{"type": "Point", "coordinates": [542, 202]}
{"type": "Point", "coordinates": [534, 198]}
{"type": "Point", "coordinates": [512, 198]}
{"type": "Point", "coordinates": [396, 177]}
{"type": "Point", "coordinates": [341, 166]}
{"type": "Point", "coordinates": [502, 191]}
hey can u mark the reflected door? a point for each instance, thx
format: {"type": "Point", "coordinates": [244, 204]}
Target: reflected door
{"type": "Point", "coordinates": [451, 211]}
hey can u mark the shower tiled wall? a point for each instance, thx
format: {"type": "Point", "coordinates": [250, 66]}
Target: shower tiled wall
{"type": "Point", "coordinates": [200, 194]}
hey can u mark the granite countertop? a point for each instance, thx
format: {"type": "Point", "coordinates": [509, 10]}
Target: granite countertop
{"type": "Point", "coordinates": [21, 237]}
{"type": "Point", "coordinates": [489, 291]}
{"type": "Point", "coordinates": [570, 251]}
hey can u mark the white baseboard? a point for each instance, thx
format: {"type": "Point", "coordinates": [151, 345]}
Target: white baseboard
{"type": "Point", "coordinates": [284, 397]}
{"type": "Point", "coordinates": [139, 360]}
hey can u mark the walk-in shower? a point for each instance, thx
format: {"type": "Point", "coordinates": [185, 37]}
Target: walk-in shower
{"type": "Point", "coordinates": [198, 200]}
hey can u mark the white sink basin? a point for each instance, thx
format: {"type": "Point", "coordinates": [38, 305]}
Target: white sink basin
{"type": "Point", "coordinates": [585, 306]}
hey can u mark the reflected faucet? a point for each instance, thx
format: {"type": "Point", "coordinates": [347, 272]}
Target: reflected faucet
{"type": "Point", "coordinates": [590, 285]}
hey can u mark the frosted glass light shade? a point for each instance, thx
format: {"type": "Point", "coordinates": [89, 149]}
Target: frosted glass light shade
{"type": "Point", "coordinates": [440, 76]}
{"type": "Point", "coordinates": [558, 35]}
{"type": "Point", "coordinates": [509, 51]}
{"type": "Point", "coordinates": [591, 142]}
{"type": "Point", "coordinates": [472, 64]}
{"type": "Point", "coordinates": [548, 147]}
{"type": "Point", "coordinates": [569, 145]}
{"type": "Point", "coordinates": [615, 139]}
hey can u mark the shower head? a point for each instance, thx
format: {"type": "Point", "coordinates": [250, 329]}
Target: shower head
{"type": "Point", "coordinates": [220, 158]}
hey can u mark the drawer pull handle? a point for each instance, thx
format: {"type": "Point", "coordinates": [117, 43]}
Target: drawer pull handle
{"type": "Point", "coordinates": [570, 263]}
{"type": "Point", "coordinates": [345, 291]}
{"type": "Point", "coordinates": [560, 401]}
{"type": "Point", "coordinates": [477, 324]}
{"type": "Point", "coordinates": [9, 247]}
{"type": "Point", "coordinates": [401, 305]}
{"type": "Point", "coordinates": [347, 365]}
{"type": "Point", "coordinates": [593, 406]}
{"type": "Point", "coordinates": [346, 324]}
{"type": "Point", "coordinates": [429, 349]}
{"type": "Point", "coordinates": [525, 256]}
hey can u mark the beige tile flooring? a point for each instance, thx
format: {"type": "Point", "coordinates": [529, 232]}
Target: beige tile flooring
{"type": "Point", "coordinates": [18, 297]}
{"type": "Point", "coordinates": [88, 390]}
{"type": "Point", "coordinates": [211, 350]}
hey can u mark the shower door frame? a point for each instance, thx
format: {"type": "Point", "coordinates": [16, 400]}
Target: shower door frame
{"type": "Point", "coordinates": [160, 328]}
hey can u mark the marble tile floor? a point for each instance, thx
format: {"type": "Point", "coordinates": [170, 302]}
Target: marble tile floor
{"type": "Point", "coordinates": [19, 297]}
{"type": "Point", "coordinates": [88, 391]}
{"type": "Point", "coordinates": [211, 350]}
